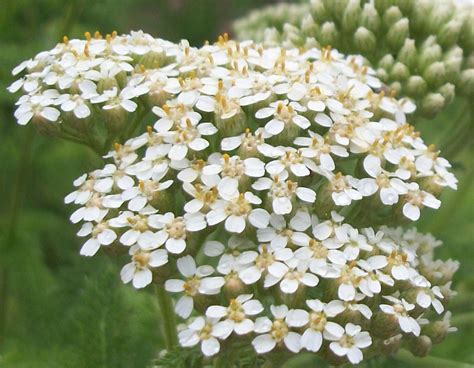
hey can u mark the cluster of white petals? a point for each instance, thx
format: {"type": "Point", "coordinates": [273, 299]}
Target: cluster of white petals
{"type": "Point", "coordinates": [265, 177]}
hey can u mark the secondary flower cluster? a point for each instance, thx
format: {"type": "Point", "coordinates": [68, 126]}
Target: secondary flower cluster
{"type": "Point", "coordinates": [257, 191]}
{"type": "Point", "coordinates": [422, 49]}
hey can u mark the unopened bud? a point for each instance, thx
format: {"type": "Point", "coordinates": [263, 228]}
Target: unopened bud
{"type": "Point", "coordinates": [382, 5]}
{"type": "Point", "coordinates": [391, 16]}
{"type": "Point", "coordinates": [449, 33]}
{"type": "Point", "coordinates": [309, 26]}
{"type": "Point", "coordinates": [369, 18]}
{"type": "Point", "coordinates": [115, 119]}
{"type": "Point", "coordinates": [466, 82]}
{"type": "Point", "coordinates": [106, 84]}
{"type": "Point", "coordinates": [45, 127]}
{"type": "Point", "coordinates": [387, 62]}
{"type": "Point", "coordinates": [328, 35]}
{"type": "Point", "coordinates": [453, 61]}
{"type": "Point", "coordinates": [399, 72]}
{"type": "Point", "coordinates": [432, 104]}
{"type": "Point", "coordinates": [448, 91]}
{"type": "Point", "coordinates": [384, 325]}
{"type": "Point", "coordinates": [408, 54]}
{"type": "Point", "coordinates": [350, 19]}
{"type": "Point", "coordinates": [397, 33]}
{"type": "Point", "coordinates": [429, 55]}
{"type": "Point", "coordinates": [440, 14]}
{"type": "Point", "coordinates": [391, 345]}
{"type": "Point", "coordinates": [420, 346]}
{"type": "Point", "coordinates": [152, 60]}
{"type": "Point", "coordinates": [435, 74]}
{"type": "Point", "coordinates": [336, 8]}
{"type": "Point", "coordinates": [233, 286]}
{"type": "Point", "coordinates": [382, 74]}
{"type": "Point", "coordinates": [319, 11]}
{"type": "Point", "coordinates": [420, 16]}
{"type": "Point", "coordinates": [416, 86]}
{"type": "Point", "coordinates": [365, 40]}
{"type": "Point", "coordinates": [395, 87]}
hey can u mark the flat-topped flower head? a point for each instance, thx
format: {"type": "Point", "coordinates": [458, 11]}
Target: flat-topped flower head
{"type": "Point", "coordinates": [278, 167]}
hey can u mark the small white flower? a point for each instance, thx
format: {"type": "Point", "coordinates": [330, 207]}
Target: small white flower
{"type": "Point", "coordinates": [235, 315]}
{"type": "Point", "coordinates": [204, 331]}
{"type": "Point", "coordinates": [101, 234]}
{"type": "Point", "coordinates": [349, 342]}
{"type": "Point", "coordinates": [278, 331]}
{"type": "Point", "coordinates": [138, 271]}
{"type": "Point", "coordinates": [197, 282]}
{"type": "Point", "coordinates": [283, 192]}
{"type": "Point", "coordinates": [283, 115]}
{"type": "Point", "coordinates": [400, 309]}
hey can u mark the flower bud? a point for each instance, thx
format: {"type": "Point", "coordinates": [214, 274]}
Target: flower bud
{"type": "Point", "coordinates": [449, 33]}
{"type": "Point", "coordinates": [420, 346]}
{"type": "Point", "coordinates": [399, 72]}
{"type": "Point", "coordinates": [46, 127]}
{"type": "Point", "coordinates": [429, 55]}
{"type": "Point", "coordinates": [152, 60]}
{"type": "Point", "coordinates": [329, 34]}
{"type": "Point", "coordinates": [309, 26]}
{"type": "Point", "coordinates": [351, 16]}
{"type": "Point", "coordinates": [387, 62]}
{"type": "Point", "coordinates": [432, 104]}
{"type": "Point", "coordinates": [384, 325]}
{"type": "Point", "coordinates": [233, 286]}
{"type": "Point", "coordinates": [115, 119]}
{"type": "Point", "coordinates": [397, 33]}
{"type": "Point", "coordinates": [466, 82]}
{"type": "Point", "coordinates": [438, 330]}
{"type": "Point", "coordinates": [408, 54]}
{"type": "Point", "coordinates": [435, 74]}
{"type": "Point", "coordinates": [382, 5]}
{"type": "Point", "coordinates": [395, 87]}
{"type": "Point", "coordinates": [391, 16]}
{"type": "Point", "coordinates": [382, 74]}
{"type": "Point", "coordinates": [336, 8]}
{"type": "Point", "coordinates": [416, 86]}
{"type": "Point", "coordinates": [453, 61]}
{"type": "Point", "coordinates": [319, 11]}
{"type": "Point", "coordinates": [448, 91]}
{"type": "Point", "coordinates": [391, 345]}
{"type": "Point", "coordinates": [369, 18]}
{"type": "Point", "coordinates": [440, 15]}
{"type": "Point", "coordinates": [106, 84]}
{"type": "Point", "coordinates": [420, 16]}
{"type": "Point", "coordinates": [365, 40]}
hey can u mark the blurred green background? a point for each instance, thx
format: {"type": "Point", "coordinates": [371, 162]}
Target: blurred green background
{"type": "Point", "coordinates": [58, 309]}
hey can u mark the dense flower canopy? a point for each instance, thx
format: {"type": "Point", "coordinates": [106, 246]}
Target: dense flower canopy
{"type": "Point", "coordinates": [265, 191]}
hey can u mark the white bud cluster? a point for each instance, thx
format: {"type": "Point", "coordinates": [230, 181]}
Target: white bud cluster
{"type": "Point", "coordinates": [264, 181]}
{"type": "Point", "coordinates": [419, 48]}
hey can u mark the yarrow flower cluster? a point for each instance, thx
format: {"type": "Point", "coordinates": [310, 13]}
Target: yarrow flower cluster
{"type": "Point", "coordinates": [419, 48]}
{"type": "Point", "coordinates": [260, 193]}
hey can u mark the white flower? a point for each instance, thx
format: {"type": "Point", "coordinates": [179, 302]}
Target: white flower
{"type": "Point", "coordinates": [291, 160]}
{"type": "Point", "coordinates": [175, 230]}
{"type": "Point", "coordinates": [40, 106]}
{"type": "Point", "coordinates": [146, 191]}
{"type": "Point", "coordinates": [101, 234]}
{"type": "Point", "coordinates": [430, 297]}
{"type": "Point", "coordinates": [237, 211]}
{"type": "Point", "coordinates": [197, 282]}
{"type": "Point", "coordinates": [265, 260]}
{"type": "Point", "coordinates": [279, 234]}
{"type": "Point", "coordinates": [400, 309]}
{"type": "Point", "coordinates": [349, 342]}
{"type": "Point", "coordinates": [235, 315]}
{"type": "Point", "coordinates": [283, 115]}
{"type": "Point", "coordinates": [278, 331]}
{"type": "Point", "coordinates": [343, 188]}
{"type": "Point", "coordinates": [283, 191]}
{"type": "Point", "coordinates": [390, 188]}
{"type": "Point", "coordinates": [321, 151]}
{"type": "Point", "coordinates": [204, 331]}
{"type": "Point", "coordinates": [138, 271]}
{"type": "Point", "coordinates": [318, 324]}
{"type": "Point", "coordinates": [416, 199]}
{"type": "Point", "coordinates": [295, 276]}
{"type": "Point", "coordinates": [251, 144]}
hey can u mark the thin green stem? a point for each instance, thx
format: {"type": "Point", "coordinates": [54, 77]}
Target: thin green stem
{"type": "Point", "coordinates": [168, 319]}
{"type": "Point", "coordinates": [429, 361]}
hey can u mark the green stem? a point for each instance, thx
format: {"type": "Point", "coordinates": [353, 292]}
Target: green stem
{"type": "Point", "coordinates": [168, 319]}
{"type": "Point", "coordinates": [429, 361]}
